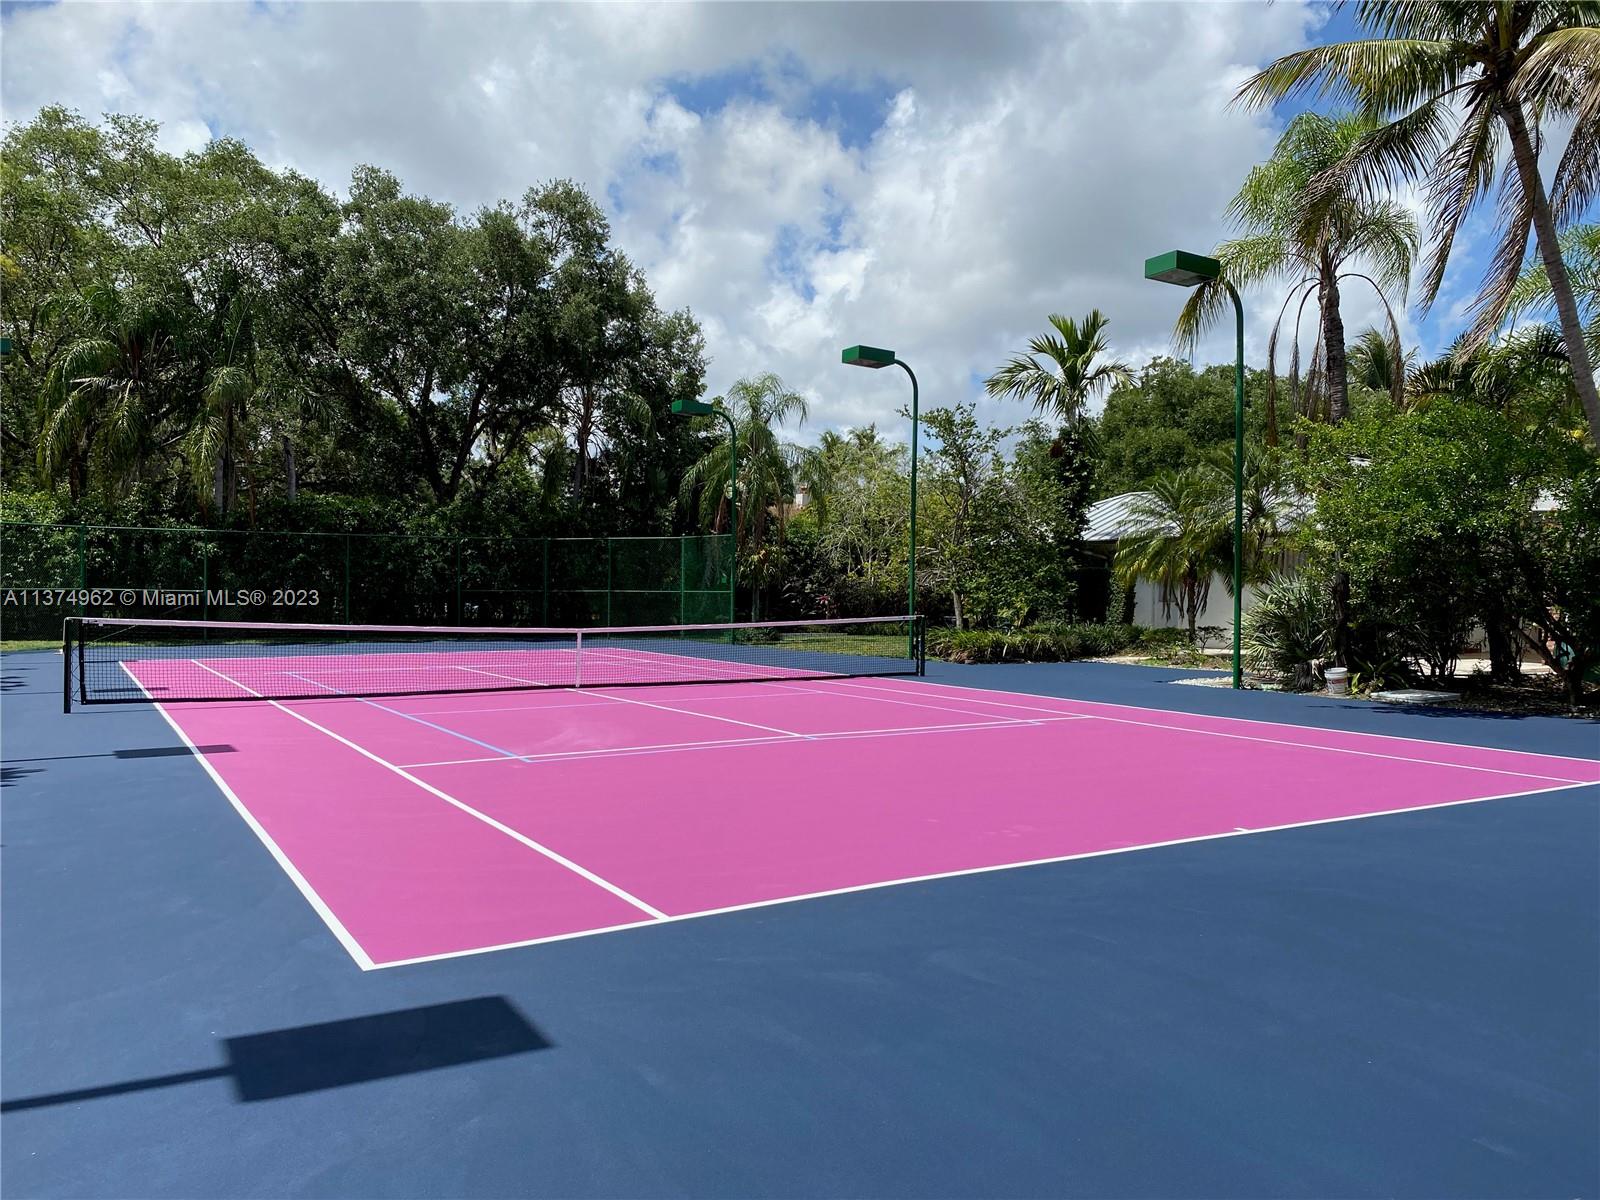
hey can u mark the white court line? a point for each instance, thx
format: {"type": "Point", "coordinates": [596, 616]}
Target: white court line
{"type": "Point", "coordinates": [552, 855]}
{"type": "Point", "coordinates": [689, 712]}
{"type": "Point", "coordinates": [886, 699]}
{"type": "Point", "coordinates": [1034, 862]}
{"type": "Point", "coordinates": [523, 708]}
{"type": "Point", "coordinates": [740, 672]}
{"type": "Point", "coordinates": [338, 695]}
{"type": "Point", "coordinates": [723, 743]}
{"type": "Point", "coordinates": [1245, 737]}
{"type": "Point", "coordinates": [318, 905]}
{"type": "Point", "coordinates": [924, 682]}
{"type": "Point", "coordinates": [594, 689]}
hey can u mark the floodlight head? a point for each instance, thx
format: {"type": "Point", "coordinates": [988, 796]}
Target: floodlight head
{"type": "Point", "coordinates": [1181, 268]}
{"type": "Point", "coordinates": [867, 356]}
{"type": "Point", "coordinates": [692, 408]}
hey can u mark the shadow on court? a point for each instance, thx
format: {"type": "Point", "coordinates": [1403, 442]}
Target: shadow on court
{"type": "Point", "coordinates": [314, 1058]}
{"type": "Point", "coordinates": [1399, 713]}
{"type": "Point", "coordinates": [137, 752]}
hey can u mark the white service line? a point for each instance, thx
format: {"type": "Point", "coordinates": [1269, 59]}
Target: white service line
{"type": "Point", "coordinates": [552, 855]}
{"type": "Point", "coordinates": [338, 695]}
{"type": "Point", "coordinates": [522, 708]}
{"type": "Point", "coordinates": [724, 743]}
{"type": "Point", "coordinates": [890, 697]}
{"type": "Point", "coordinates": [688, 712]}
{"type": "Point", "coordinates": [1034, 862]}
{"type": "Point", "coordinates": [318, 906]}
{"type": "Point", "coordinates": [740, 672]}
{"type": "Point", "coordinates": [1246, 737]}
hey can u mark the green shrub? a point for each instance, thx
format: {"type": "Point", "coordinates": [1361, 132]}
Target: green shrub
{"type": "Point", "coordinates": [1159, 639]}
{"type": "Point", "coordinates": [1288, 630]}
{"type": "Point", "coordinates": [1036, 643]}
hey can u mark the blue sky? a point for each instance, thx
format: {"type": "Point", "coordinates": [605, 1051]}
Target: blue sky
{"type": "Point", "coordinates": [935, 178]}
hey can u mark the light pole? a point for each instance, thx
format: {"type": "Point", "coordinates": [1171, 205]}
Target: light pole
{"type": "Point", "coordinates": [696, 408]}
{"type": "Point", "coordinates": [875, 359]}
{"type": "Point", "coordinates": [1188, 270]}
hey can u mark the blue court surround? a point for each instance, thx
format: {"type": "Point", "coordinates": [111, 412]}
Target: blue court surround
{"type": "Point", "coordinates": [1400, 1006]}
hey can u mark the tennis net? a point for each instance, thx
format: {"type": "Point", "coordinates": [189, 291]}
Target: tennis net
{"type": "Point", "coordinates": [111, 661]}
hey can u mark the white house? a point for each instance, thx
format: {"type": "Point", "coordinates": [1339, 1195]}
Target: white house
{"type": "Point", "coordinates": [1117, 517]}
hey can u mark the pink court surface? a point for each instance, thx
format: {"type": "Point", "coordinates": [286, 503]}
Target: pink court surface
{"type": "Point", "coordinates": [432, 826]}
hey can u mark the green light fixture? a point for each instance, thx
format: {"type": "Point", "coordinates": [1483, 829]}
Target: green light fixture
{"type": "Point", "coordinates": [1190, 270]}
{"type": "Point", "coordinates": [875, 359]}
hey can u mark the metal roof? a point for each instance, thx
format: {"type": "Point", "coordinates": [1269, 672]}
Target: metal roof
{"type": "Point", "coordinates": [1117, 517]}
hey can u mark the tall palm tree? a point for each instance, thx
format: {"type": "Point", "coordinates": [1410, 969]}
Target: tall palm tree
{"type": "Point", "coordinates": [1182, 539]}
{"type": "Point", "coordinates": [1290, 230]}
{"type": "Point", "coordinates": [1580, 250]}
{"type": "Point", "coordinates": [759, 406]}
{"type": "Point", "coordinates": [1450, 85]}
{"type": "Point", "coordinates": [1065, 369]}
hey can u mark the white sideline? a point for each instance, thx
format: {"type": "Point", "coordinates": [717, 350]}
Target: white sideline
{"type": "Point", "coordinates": [924, 682]}
{"type": "Point", "coordinates": [1245, 737]}
{"type": "Point", "coordinates": [1036, 862]}
{"type": "Point", "coordinates": [318, 906]}
{"type": "Point", "coordinates": [552, 855]}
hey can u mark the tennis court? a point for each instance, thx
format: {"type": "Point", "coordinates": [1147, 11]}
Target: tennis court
{"type": "Point", "coordinates": [813, 918]}
{"type": "Point", "coordinates": [459, 813]}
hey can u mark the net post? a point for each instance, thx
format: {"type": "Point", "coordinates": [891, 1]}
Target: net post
{"type": "Point", "coordinates": [577, 661]}
{"type": "Point", "coordinates": [66, 665]}
{"type": "Point", "coordinates": [919, 633]}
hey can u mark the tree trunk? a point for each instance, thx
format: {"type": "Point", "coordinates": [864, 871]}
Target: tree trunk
{"type": "Point", "coordinates": [1555, 268]}
{"type": "Point", "coordinates": [1341, 618]}
{"type": "Point", "coordinates": [1504, 659]}
{"type": "Point", "coordinates": [1335, 362]}
{"type": "Point", "coordinates": [955, 601]}
{"type": "Point", "coordinates": [291, 478]}
{"type": "Point", "coordinates": [1336, 372]}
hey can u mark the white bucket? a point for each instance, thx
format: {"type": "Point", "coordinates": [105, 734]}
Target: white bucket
{"type": "Point", "coordinates": [1338, 681]}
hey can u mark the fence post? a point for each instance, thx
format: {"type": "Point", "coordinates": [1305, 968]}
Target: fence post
{"type": "Point", "coordinates": [683, 572]}
{"type": "Point", "coordinates": [611, 545]}
{"type": "Point", "coordinates": [347, 579]}
{"type": "Point", "coordinates": [544, 586]}
{"type": "Point", "coordinates": [205, 582]}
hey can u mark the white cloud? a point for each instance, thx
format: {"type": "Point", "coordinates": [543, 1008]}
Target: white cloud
{"type": "Point", "coordinates": [1030, 158]}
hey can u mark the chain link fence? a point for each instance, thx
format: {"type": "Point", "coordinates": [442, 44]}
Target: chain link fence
{"type": "Point", "coordinates": [48, 572]}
